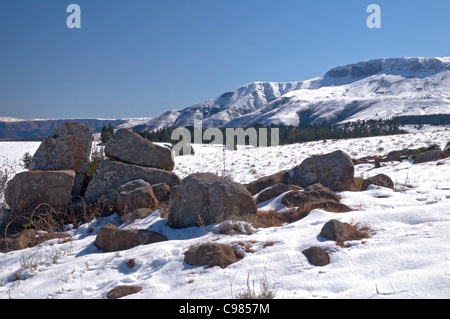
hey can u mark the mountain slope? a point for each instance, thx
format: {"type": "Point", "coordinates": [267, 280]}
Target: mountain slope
{"type": "Point", "coordinates": [374, 89]}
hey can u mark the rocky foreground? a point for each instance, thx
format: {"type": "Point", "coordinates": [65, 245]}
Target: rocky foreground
{"type": "Point", "coordinates": [138, 179]}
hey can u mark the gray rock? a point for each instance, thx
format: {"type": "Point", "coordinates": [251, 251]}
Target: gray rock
{"type": "Point", "coordinates": [339, 231]}
{"type": "Point", "coordinates": [67, 148]}
{"type": "Point", "coordinates": [211, 254]}
{"type": "Point", "coordinates": [429, 156]}
{"type": "Point", "coordinates": [110, 238]}
{"type": "Point", "coordinates": [266, 181]}
{"type": "Point", "coordinates": [317, 256]}
{"type": "Point", "coordinates": [334, 170]}
{"type": "Point", "coordinates": [276, 190]}
{"type": "Point", "coordinates": [163, 192]}
{"type": "Point", "coordinates": [129, 147]}
{"type": "Point", "coordinates": [205, 198]}
{"type": "Point", "coordinates": [122, 291]}
{"type": "Point", "coordinates": [447, 148]}
{"type": "Point", "coordinates": [140, 213]}
{"type": "Point", "coordinates": [111, 174]}
{"type": "Point", "coordinates": [134, 195]}
{"type": "Point", "coordinates": [29, 189]}
{"type": "Point", "coordinates": [378, 180]}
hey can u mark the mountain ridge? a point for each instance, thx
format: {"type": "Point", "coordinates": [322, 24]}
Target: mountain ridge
{"type": "Point", "coordinates": [362, 90]}
{"type": "Point", "coordinates": [375, 89]}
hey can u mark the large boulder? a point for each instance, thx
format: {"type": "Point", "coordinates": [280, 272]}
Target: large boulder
{"type": "Point", "coordinates": [29, 189]}
{"type": "Point", "coordinates": [111, 174]}
{"type": "Point", "coordinates": [129, 147]}
{"type": "Point", "coordinates": [67, 148]}
{"type": "Point", "coordinates": [334, 170]}
{"type": "Point", "coordinates": [205, 198]}
{"type": "Point", "coordinates": [110, 238]}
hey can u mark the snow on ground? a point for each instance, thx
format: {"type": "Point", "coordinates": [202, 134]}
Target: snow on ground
{"type": "Point", "coordinates": [407, 257]}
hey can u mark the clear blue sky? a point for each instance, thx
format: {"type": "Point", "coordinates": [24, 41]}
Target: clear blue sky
{"type": "Point", "coordinates": [140, 58]}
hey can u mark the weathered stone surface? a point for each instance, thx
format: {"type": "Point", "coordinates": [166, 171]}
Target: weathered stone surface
{"type": "Point", "coordinates": [122, 291]}
{"type": "Point", "coordinates": [211, 254]}
{"type": "Point", "coordinates": [134, 195]}
{"type": "Point", "coordinates": [29, 189]}
{"type": "Point", "coordinates": [334, 170]}
{"type": "Point", "coordinates": [274, 191]}
{"type": "Point", "coordinates": [110, 238]}
{"type": "Point", "coordinates": [111, 174]}
{"type": "Point", "coordinates": [163, 192]}
{"type": "Point", "coordinates": [317, 256]}
{"type": "Point", "coordinates": [205, 198]}
{"type": "Point", "coordinates": [67, 148]}
{"type": "Point", "coordinates": [131, 148]}
{"type": "Point", "coordinates": [429, 156]}
{"type": "Point", "coordinates": [378, 180]}
{"type": "Point", "coordinates": [264, 182]}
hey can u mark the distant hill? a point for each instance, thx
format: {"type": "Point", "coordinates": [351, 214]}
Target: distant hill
{"type": "Point", "coordinates": [39, 129]}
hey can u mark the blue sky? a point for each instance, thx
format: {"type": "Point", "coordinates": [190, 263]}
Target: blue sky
{"type": "Point", "coordinates": [140, 58]}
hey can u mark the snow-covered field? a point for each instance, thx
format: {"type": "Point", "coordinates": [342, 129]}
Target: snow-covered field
{"type": "Point", "coordinates": [407, 257]}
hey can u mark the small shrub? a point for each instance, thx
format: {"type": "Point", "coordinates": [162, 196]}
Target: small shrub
{"type": "Point", "coordinates": [250, 293]}
{"type": "Point", "coordinates": [97, 156]}
{"type": "Point", "coordinates": [26, 160]}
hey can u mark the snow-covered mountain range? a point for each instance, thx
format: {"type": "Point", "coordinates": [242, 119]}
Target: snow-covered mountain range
{"type": "Point", "coordinates": [375, 89]}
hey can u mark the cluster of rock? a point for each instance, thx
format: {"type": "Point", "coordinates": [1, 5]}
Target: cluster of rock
{"type": "Point", "coordinates": [57, 173]}
{"type": "Point", "coordinates": [137, 176]}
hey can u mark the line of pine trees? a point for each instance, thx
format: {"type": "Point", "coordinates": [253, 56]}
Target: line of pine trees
{"type": "Point", "coordinates": [305, 133]}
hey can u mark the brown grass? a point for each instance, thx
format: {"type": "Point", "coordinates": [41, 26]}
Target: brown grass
{"type": "Point", "coordinates": [359, 231]}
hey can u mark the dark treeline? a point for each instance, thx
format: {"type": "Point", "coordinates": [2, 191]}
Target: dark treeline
{"type": "Point", "coordinates": [303, 133]}
{"type": "Point", "coordinates": [432, 119]}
